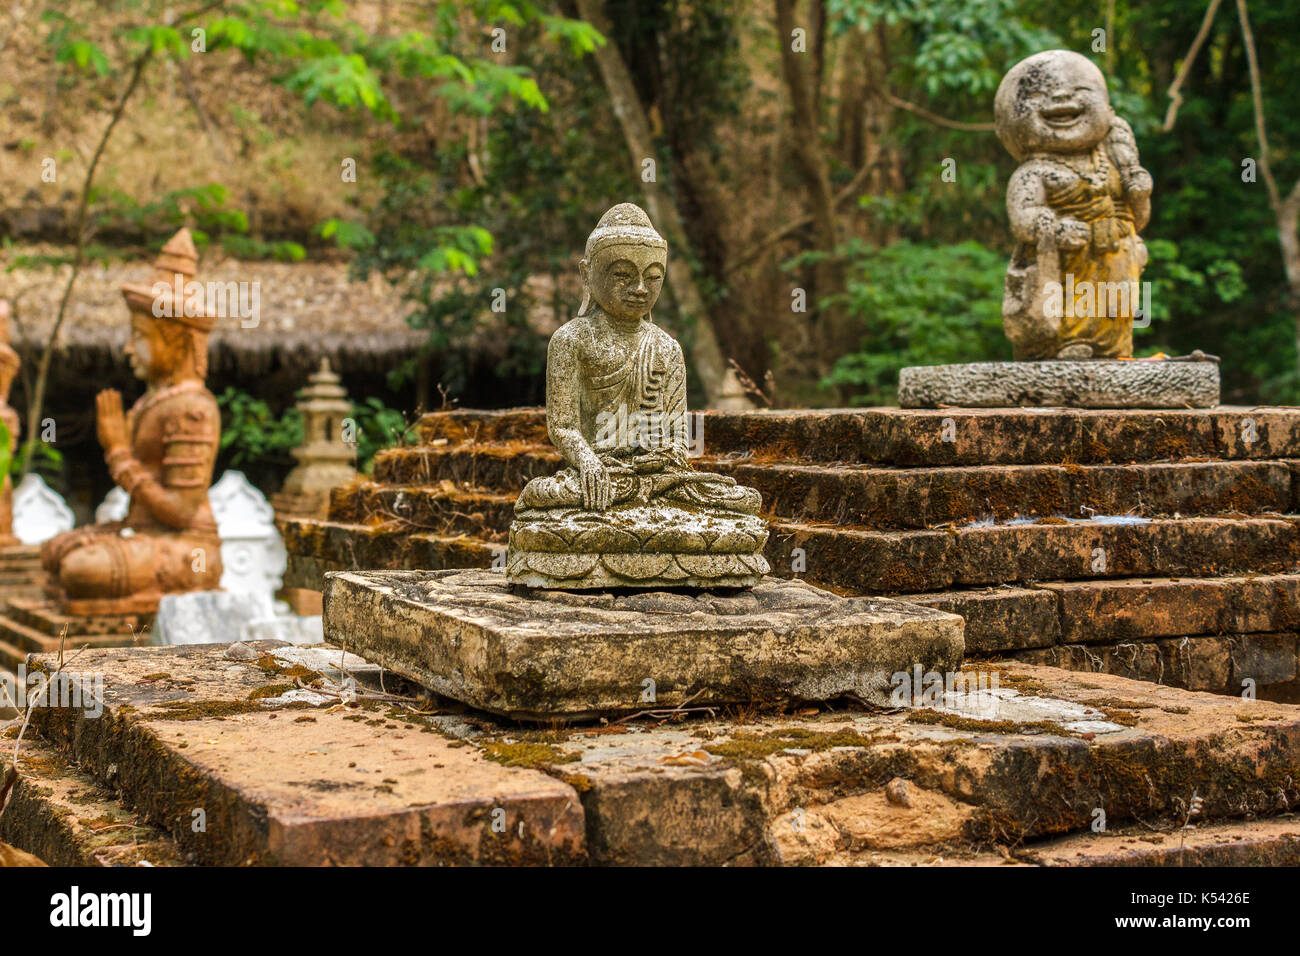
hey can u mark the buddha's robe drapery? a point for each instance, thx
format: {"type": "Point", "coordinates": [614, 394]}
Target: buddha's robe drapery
{"type": "Point", "coordinates": [634, 419]}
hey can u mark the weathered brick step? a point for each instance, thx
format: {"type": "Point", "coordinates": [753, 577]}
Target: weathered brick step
{"type": "Point", "coordinates": [1116, 611]}
{"type": "Point", "coordinates": [1001, 436]}
{"type": "Point", "coordinates": [899, 562]}
{"type": "Point", "coordinates": [1269, 842]}
{"type": "Point", "coordinates": [443, 509]}
{"type": "Point", "coordinates": [926, 497]}
{"type": "Point", "coordinates": [286, 784]}
{"type": "Point", "coordinates": [66, 818]}
{"type": "Point", "coordinates": [492, 467]}
{"type": "Point", "coordinates": [947, 436]}
{"type": "Point", "coordinates": [17, 640]}
{"type": "Point", "coordinates": [1260, 665]}
{"type": "Point", "coordinates": [322, 546]}
{"type": "Point", "coordinates": [44, 616]}
{"type": "Point", "coordinates": [507, 425]}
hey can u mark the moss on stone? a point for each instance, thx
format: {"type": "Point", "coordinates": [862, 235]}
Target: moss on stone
{"type": "Point", "coordinates": [526, 754]}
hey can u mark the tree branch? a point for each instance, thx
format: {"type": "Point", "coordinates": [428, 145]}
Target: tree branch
{"type": "Point", "coordinates": [934, 118]}
{"type": "Point", "coordinates": [1175, 97]}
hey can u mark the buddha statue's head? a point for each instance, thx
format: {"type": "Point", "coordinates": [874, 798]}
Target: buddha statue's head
{"type": "Point", "coordinates": [624, 266]}
{"type": "Point", "coordinates": [169, 324]}
{"type": "Point", "coordinates": [1052, 102]}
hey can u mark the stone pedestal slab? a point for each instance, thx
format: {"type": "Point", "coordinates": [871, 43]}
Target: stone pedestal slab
{"type": "Point", "coordinates": [534, 655]}
{"type": "Point", "coordinates": [1089, 384]}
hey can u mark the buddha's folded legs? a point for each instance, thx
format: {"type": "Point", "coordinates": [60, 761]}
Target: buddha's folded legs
{"type": "Point", "coordinates": [673, 484]}
{"type": "Point", "coordinates": [100, 563]}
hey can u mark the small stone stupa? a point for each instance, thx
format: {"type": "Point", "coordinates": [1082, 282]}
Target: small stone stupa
{"type": "Point", "coordinates": [324, 459]}
{"type": "Point", "coordinates": [1076, 203]}
{"type": "Point", "coordinates": [631, 577]}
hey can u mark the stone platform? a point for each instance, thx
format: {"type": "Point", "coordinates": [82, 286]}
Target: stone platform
{"type": "Point", "coordinates": [289, 772]}
{"type": "Point", "coordinates": [1160, 545]}
{"type": "Point", "coordinates": [537, 655]}
{"type": "Point", "coordinates": [1099, 383]}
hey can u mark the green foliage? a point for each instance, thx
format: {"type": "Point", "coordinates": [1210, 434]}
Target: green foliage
{"type": "Point", "coordinates": [252, 436]}
{"type": "Point", "coordinates": [6, 449]}
{"type": "Point", "coordinates": [917, 305]}
{"type": "Point", "coordinates": [47, 461]}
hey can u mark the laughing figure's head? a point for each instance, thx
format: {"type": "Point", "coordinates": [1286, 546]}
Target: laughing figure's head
{"type": "Point", "coordinates": [1052, 102]}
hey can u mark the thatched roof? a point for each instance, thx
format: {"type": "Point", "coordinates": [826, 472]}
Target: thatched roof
{"type": "Point", "coordinates": [307, 310]}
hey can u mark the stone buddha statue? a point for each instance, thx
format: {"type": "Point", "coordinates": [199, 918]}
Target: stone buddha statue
{"type": "Point", "coordinates": [161, 453]}
{"type": "Point", "coordinates": [628, 510]}
{"type": "Point", "coordinates": [1076, 204]}
{"type": "Point", "coordinates": [8, 371]}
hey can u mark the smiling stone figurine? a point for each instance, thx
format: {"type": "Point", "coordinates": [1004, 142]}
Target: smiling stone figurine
{"type": "Point", "coordinates": [1076, 204]}
{"type": "Point", "coordinates": [629, 510]}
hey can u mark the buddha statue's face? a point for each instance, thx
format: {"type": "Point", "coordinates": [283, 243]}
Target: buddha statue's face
{"type": "Point", "coordinates": [1056, 103]}
{"type": "Point", "coordinates": [625, 280]}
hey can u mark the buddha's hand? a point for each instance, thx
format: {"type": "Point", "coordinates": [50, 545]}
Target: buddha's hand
{"type": "Point", "coordinates": [1073, 233]}
{"type": "Point", "coordinates": [110, 421]}
{"type": "Point", "coordinates": [597, 489]}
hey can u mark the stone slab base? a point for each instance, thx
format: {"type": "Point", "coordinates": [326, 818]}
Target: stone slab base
{"type": "Point", "coordinates": [298, 777]}
{"type": "Point", "coordinates": [535, 655]}
{"type": "Point", "coordinates": [1101, 383]}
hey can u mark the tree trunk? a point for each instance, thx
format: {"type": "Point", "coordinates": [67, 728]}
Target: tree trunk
{"type": "Point", "coordinates": [810, 161]}
{"type": "Point", "coordinates": [722, 388]}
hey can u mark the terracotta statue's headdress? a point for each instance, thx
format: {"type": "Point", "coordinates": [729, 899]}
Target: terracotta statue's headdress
{"type": "Point", "coordinates": [622, 225]}
{"type": "Point", "coordinates": [164, 298]}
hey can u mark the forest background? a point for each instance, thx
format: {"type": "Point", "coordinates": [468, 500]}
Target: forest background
{"type": "Point", "coordinates": [825, 171]}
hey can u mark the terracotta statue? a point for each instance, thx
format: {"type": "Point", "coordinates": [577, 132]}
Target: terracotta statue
{"type": "Point", "coordinates": [8, 371]}
{"type": "Point", "coordinates": [1076, 203]}
{"type": "Point", "coordinates": [629, 510]}
{"type": "Point", "coordinates": [161, 454]}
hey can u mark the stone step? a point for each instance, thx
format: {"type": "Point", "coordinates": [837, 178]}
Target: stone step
{"type": "Point", "coordinates": [1270, 842]}
{"type": "Point", "coordinates": [911, 438]}
{"type": "Point", "coordinates": [908, 498]}
{"type": "Point", "coordinates": [287, 783]}
{"type": "Point", "coordinates": [900, 562]}
{"type": "Point", "coordinates": [45, 617]}
{"type": "Point", "coordinates": [929, 497]}
{"type": "Point", "coordinates": [1118, 611]}
{"type": "Point", "coordinates": [66, 818]}
{"type": "Point", "coordinates": [291, 783]}
{"type": "Point", "coordinates": [491, 467]}
{"type": "Point", "coordinates": [17, 640]}
{"type": "Point", "coordinates": [1262, 665]}
{"type": "Point", "coordinates": [443, 509]}
{"type": "Point", "coordinates": [322, 546]}
{"type": "Point", "coordinates": [475, 425]}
